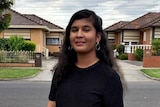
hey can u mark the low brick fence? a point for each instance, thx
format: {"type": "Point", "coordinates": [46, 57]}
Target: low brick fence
{"type": "Point", "coordinates": [149, 60]}
{"type": "Point", "coordinates": [17, 64]}
{"type": "Point", "coordinates": [20, 59]}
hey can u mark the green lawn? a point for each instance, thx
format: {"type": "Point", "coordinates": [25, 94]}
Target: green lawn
{"type": "Point", "coordinates": [17, 73]}
{"type": "Point", "coordinates": [155, 73]}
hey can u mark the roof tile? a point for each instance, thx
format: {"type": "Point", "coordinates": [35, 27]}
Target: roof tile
{"type": "Point", "coordinates": [29, 19]}
{"type": "Point", "coordinates": [42, 21]}
{"type": "Point", "coordinates": [19, 19]}
{"type": "Point", "coordinates": [116, 26]}
{"type": "Point", "coordinates": [143, 21]}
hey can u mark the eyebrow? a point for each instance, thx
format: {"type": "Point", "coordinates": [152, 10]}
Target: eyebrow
{"type": "Point", "coordinates": [82, 26]}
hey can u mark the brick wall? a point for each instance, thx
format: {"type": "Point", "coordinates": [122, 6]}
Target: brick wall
{"type": "Point", "coordinates": [17, 64]}
{"type": "Point", "coordinates": [131, 57]}
{"type": "Point", "coordinates": [149, 60]}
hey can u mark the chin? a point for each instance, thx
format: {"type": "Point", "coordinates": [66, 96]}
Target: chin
{"type": "Point", "coordinates": [80, 50]}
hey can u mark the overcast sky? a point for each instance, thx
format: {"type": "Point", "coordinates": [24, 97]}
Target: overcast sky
{"type": "Point", "coordinates": [111, 11]}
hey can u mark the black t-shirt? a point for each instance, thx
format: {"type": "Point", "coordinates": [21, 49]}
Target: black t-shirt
{"type": "Point", "coordinates": [95, 86]}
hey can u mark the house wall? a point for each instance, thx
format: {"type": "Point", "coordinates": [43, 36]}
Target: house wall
{"type": "Point", "coordinates": [117, 38]}
{"type": "Point", "coordinates": [141, 38]}
{"type": "Point", "coordinates": [157, 32]}
{"type": "Point", "coordinates": [149, 60]}
{"type": "Point", "coordinates": [1, 34]}
{"type": "Point", "coordinates": [131, 36]}
{"type": "Point", "coordinates": [25, 33]}
{"type": "Point", "coordinates": [114, 37]}
{"type": "Point", "coordinates": [111, 37]}
{"type": "Point", "coordinates": [147, 36]}
{"type": "Point", "coordinates": [55, 47]}
{"type": "Point", "coordinates": [37, 37]}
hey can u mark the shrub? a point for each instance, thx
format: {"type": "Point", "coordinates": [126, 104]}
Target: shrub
{"type": "Point", "coordinates": [156, 47]}
{"type": "Point", "coordinates": [120, 49]}
{"type": "Point", "coordinates": [2, 55]}
{"type": "Point", "coordinates": [28, 46]}
{"type": "Point", "coordinates": [139, 54]}
{"type": "Point", "coordinates": [113, 47]}
{"type": "Point", "coordinates": [15, 43]}
{"type": "Point", "coordinates": [3, 44]}
{"type": "Point", "coordinates": [123, 56]}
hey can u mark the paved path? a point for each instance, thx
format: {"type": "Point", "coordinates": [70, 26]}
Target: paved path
{"type": "Point", "coordinates": [45, 74]}
{"type": "Point", "coordinates": [131, 70]}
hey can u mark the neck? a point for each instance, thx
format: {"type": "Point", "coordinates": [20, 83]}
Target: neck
{"type": "Point", "coordinates": [86, 60]}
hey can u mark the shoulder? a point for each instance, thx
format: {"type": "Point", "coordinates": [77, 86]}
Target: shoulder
{"type": "Point", "coordinates": [107, 70]}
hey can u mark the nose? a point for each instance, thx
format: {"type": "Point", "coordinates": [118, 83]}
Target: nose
{"type": "Point", "coordinates": [79, 34]}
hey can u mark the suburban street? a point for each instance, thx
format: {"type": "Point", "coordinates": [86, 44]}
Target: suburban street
{"type": "Point", "coordinates": [23, 94]}
{"type": "Point", "coordinates": [143, 94]}
{"type": "Point", "coordinates": [35, 94]}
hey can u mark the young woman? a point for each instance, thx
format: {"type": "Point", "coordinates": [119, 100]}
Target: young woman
{"type": "Point", "coordinates": [86, 74]}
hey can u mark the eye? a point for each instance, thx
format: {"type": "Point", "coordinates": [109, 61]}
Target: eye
{"type": "Point", "coordinates": [74, 29]}
{"type": "Point", "coordinates": [86, 29]}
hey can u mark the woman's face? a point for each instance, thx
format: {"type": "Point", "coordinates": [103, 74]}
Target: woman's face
{"type": "Point", "coordinates": [83, 36]}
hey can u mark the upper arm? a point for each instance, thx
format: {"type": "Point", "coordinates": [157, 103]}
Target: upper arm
{"type": "Point", "coordinates": [113, 93]}
{"type": "Point", "coordinates": [51, 104]}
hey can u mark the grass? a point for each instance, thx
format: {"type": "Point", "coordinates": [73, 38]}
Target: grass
{"type": "Point", "coordinates": [155, 73]}
{"type": "Point", "coordinates": [17, 73]}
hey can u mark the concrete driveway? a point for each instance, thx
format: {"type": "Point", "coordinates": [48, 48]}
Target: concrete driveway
{"type": "Point", "coordinates": [131, 70]}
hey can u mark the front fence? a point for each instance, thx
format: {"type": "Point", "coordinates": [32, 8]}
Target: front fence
{"type": "Point", "coordinates": [132, 48]}
{"type": "Point", "coordinates": [16, 56]}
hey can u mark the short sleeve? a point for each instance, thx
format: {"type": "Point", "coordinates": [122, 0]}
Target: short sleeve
{"type": "Point", "coordinates": [52, 94]}
{"type": "Point", "coordinates": [113, 93]}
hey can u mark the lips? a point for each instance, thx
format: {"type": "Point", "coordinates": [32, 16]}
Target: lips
{"type": "Point", "coordinates": [79, 43]}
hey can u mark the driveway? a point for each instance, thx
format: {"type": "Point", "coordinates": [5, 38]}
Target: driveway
{"type": "Point", "coordinates": [131, 70]}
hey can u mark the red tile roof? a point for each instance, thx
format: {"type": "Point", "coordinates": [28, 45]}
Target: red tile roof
{"type": "Point", "coordinates": [143, 21]}
{"type": "Point", "coordinates": [19, 19]}
{"type": "Point", "coordinates": [116, 26]}
{"type": "Point", "coordinates": [42, 21]}
{"type": "Point", "coordinates": [29, 19]}
{"type": "Point", "coordinates": [147, 20]}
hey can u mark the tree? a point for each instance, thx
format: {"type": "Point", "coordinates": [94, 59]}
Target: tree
{"type": "Point", "coordinates": [5, 17]}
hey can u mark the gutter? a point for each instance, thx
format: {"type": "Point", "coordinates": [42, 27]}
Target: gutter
{"type": "Point", "coordinates": [36, 26]}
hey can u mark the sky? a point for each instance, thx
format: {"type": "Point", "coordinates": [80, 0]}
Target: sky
{"type": "Point", "coordinates": [111, 11]}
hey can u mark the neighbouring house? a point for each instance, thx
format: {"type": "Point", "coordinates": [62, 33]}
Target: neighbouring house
{"type": "Point", "coordinates": [137, 33]}
{"type": "Point", "coordinates": [114, 34]}
{"type": "Point", "coordinates": [47, 36]}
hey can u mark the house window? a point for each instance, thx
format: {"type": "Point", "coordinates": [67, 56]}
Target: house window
{"type": "Point", "coordinates": [111, 40]}
{"type": "Point", "coordinates": [28, 39]}
{"type": "Point", "coordinates": [126, 43]}
{"type": "Point", "coordinates": [144, 36]}
{"type": "Point", "coordinates": [52, 41]}
{"type": "Point", "coordinates": [131, 43]}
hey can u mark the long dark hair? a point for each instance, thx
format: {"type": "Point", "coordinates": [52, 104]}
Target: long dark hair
{"type": "Point", "coordinates": [68, 56]}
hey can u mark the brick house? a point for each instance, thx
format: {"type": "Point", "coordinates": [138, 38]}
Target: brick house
{"type": "Point", "coordinates": [139, 31]}
{"type": "Point", "coordinates": [135, 34]}
{"type": "Point", "coordinates": [46, 35]}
